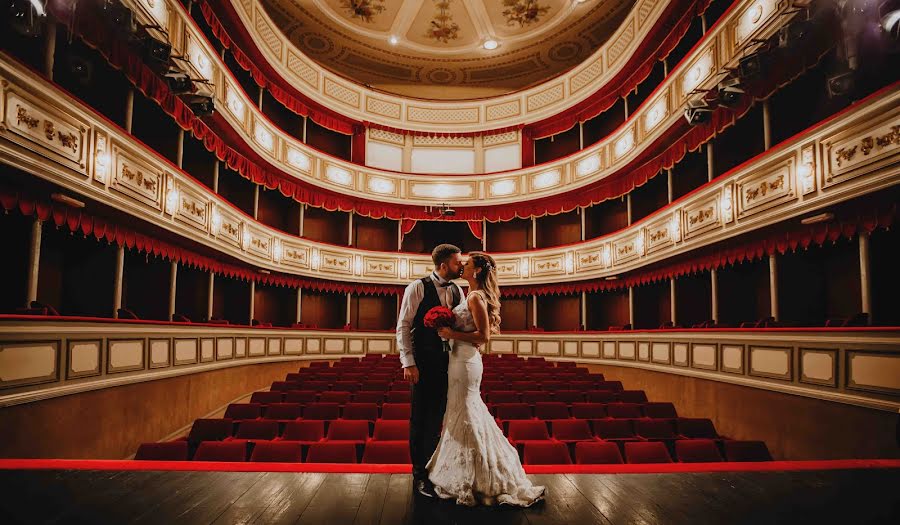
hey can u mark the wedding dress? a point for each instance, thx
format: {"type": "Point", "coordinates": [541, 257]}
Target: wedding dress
{"type": "Point", "coordinates": [474, 463]}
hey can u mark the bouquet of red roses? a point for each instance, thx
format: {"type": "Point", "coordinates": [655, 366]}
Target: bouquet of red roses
{"type": "Point", "coordinates": [440, 317]}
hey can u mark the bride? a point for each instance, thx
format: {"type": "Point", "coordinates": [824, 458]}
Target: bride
{"type": "Point", "coordinates": [474, 463]}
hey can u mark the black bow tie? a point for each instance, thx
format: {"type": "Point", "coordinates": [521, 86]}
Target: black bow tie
{"type": "Point", "coordinates": [446, 284]}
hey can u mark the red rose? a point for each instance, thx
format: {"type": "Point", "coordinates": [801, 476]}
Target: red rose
{"type": "Point", "coordinates": [439, 317]}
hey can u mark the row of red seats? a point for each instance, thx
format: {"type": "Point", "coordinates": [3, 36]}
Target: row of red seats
{"type": "Point", "coordinates": [397, 452]}
{"type": "Point", "coordinates": [403, 395]}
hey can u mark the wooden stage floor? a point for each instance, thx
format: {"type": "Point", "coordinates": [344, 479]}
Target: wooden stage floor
{"type": "Point", "coordinates": [117, 497]}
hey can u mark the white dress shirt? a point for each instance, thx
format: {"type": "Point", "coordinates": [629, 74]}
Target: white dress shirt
{"type": "Point", "coordinates": [412, 297]}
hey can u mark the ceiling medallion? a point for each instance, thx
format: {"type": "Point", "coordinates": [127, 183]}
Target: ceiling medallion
{"type": "Point", "coordinates": [363, 9]}
{"type": "Point", "coordinates": [523, 12]}
{"type": "Point", "coordinates": [443, 28]}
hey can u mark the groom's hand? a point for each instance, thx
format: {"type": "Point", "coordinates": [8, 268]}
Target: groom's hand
{"type": "Point", "coordinates": [411, 374]}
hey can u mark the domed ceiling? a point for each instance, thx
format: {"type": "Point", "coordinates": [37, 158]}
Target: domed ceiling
{"type": "Point", "coordinates": [440, 49]}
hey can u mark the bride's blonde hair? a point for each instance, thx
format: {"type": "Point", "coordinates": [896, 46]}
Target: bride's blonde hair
{"type": "Point", "coordinates": [487, 278]}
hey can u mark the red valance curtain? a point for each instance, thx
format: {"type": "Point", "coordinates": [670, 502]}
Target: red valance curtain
{"type": "Point", "coordinates": [105, 229]}
{"type": "Point", "coordinates": [477, 229]}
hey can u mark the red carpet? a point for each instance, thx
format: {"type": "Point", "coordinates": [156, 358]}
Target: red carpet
{"type": "Point", "coordinates": [101, 464]}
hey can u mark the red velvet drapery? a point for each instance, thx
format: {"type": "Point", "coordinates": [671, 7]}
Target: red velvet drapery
{"type": "Point", "coordinates": [477, 229]}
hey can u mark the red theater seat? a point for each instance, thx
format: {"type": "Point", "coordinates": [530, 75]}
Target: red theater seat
{"type": "Point", "coordinates": [239, 411]}
{"type": "Point", "coordinates": [588, 410]}
{"type": "Point", "coordinates": [697, 451]}
{"type": "Point", "coordinates": [503, 396]}
{"type": "Point", "coordinates": [615, 386]}
{"type": "Point", "coordinates": [280, 386]}
{"type": "Point", "coordinates": [210, 430]}
{"type": "Point", "coordinates": [332, 452]}
{"type": "Point", "coordinates": [345, 386]}
{"type": "Point", "coordinates": [305, 432]}
{"type": "Point", "coordinates": [546, 453]}
{"type": "Point", "coordinates": [660, 411]}
{"type": "Point", "coordinates": [169, 451]}
{"type": "Point", "coordinates": [597, 453]}
{"type": "Point", "coordinates": [696, 428]}
{"type": "Point", "coordinates": [319, 364]}
{"type": "Point", "coordinates": [509, 411]}
{"type": "Point", "coordinates": [395, 411]}
{"type": "Point", "coordinates": [571, 430]}
{"type": "Point", "coordinates": [300, 396]}
{"type": "Point", "coordinates": [371, 397]}
{"type": "Point", "coordinates": [387, 452]}
{"type": "Point", "coordinates": [395, 396]}
{"type": "Point", "coordinates": [277, 452]}
{"type": "Point", "coordinates": [221, 451]}
{"type": "Point", "coordinates": [632, 396]}
{"type": "Point", "coordinates": [257, 430]}
{"type": "Point", "coordinates": [265, 398]}
{"type": "Point", "coordinates": [647, 452]}
{"type": "Point", "coordinates": [389, 430]}
{"type": "Point", "coordinates": [340, 398]}
{"type": "Point", "coordinates": [624, 410]}
{"type": "Point", "coordinates": [551, 410]}
{"type": "Point", "coordinates": [746, 451]}
{"type": "Point", "coordinates": [376, 386]}
{"type": "Point", "coordinates": [568, 396]}
{"type": "Point", "coordinates": [348, 430]}
{"type": "Point", "coordinates": [655, 430]}
{"type": "Point", "coordinates": [521, 432]}
{"type": "Point", "coordinates": [614, 430]}
{"type": "Point", "coordinates": [361, 411]}
{"type": "Point", "coordinates": [322, 411]}
{"type": "Point", "coordinates": [532, 397]}
{"type": "Point", "coordinates": [284, 411]}
{"type": "Point", "coordinates": [315, 386]}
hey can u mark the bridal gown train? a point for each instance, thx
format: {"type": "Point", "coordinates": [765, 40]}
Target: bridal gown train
{"type": "Point", "coordinates": [474, 463]}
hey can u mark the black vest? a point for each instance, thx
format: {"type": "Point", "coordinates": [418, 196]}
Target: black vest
{"type": "Point", "coordinates": [427, 346]}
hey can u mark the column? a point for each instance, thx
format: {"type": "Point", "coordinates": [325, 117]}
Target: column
{"type": "Point", "coordinates": [256, 201]}
{"type": "Point", "coordinates": [302, 215]}
{"type": "Point", "coordinates": [215, 180]}
{"type": "Point", "coordinates": [129, 109]}
{"type": "Point", "coordinates": [252, 301]}
{"type": "Point", "coordinates": [582, 212]}
{"type": "Point", "coordinates": [673, 308]}
{"type": "Point", "coordinates": [299, 304]}
{"type": "Point", "coordinates": [484, 235]}
{"type": "Point", "coordinates": [303, 134]}
{"type": "Point", "coordinates": [534, 319]}
{"type": "Point", "coordinates": [210, 295]}
{"type": "Point", "coordinates": [400, 235]}
{"type": "Point", "coordinates": [865, 284]}
{"type": "Point", "coordinates": [173, 280]}
{"type": "Point", "coordinates": [665, 67]}
{"type": "Point", "coordinates": [260, 98]}
{"type": "Point", "coordinates": [533, 231]}
{"type": "Point", "coordinates": [669, 181]}
{"type": "Point", "coordinates": [714, 292]}
{"type": "Point", "coordinates": [348, 309]}
{"type": "Point", "coordinates": [34, 261]}
{"type": "Point", "coordinates": [49, 47]}
{"type": "Point", "coordinates": [631, 306]}
{"type": "Point", "coordinates": [703, 23]}
{"type": "Point", "coordinates": [580, 135]}
{"type": "Point", "coordinates": [350, 229]}
{"type": "Point", "coordinates": [179, 149]}
{"type": "Point", "coordinates": [625, 100]}
{"type": "Point", "coordinates": [773, 286]}
{"type": "Point", "coordinates": [628, 207]}
{"type": "Point", "coordinates": [119, 277]}
{"type": "Point", "coordinates": [584, 310]}
{"type": "Point", "coordinates": [767, 125]}
{"type": "Point", "coordinates": [710, 162]}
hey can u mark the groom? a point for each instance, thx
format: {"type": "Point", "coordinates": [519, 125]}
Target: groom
{"type": "Point", "coordinates": [423, 359]}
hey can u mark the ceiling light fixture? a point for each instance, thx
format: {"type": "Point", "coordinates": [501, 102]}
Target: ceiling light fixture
{"type": "Point", "coordinates": [490, 44]}
{"type": "Point", "coordinates": [394, 40]}
{"type": "Point", "coordinates": [65, 199]}
{"type": "Point", "coordinates": [822, 217]}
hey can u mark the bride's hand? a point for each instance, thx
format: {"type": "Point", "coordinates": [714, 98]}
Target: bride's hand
{"type": "Point", "coordinates": [445, 332]}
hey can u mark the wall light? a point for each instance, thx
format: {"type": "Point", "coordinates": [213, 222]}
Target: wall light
{"type": "Point", "coordinates": [490, 44]}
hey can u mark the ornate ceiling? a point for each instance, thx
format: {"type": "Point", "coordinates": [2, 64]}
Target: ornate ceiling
{"type": "Point", "coordinates": [435, 49]}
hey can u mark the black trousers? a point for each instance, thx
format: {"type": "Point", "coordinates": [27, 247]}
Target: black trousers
{"type": "Point", "coordinates": [429, 402]}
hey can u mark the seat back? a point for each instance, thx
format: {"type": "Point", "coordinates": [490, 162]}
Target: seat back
{"type": "Point", "coordinates": [169, 451]}
{"type": "Point", "coordinates": [362, 411]}
{"type": "Point", "coordinates": [233, 451]}
{"type": "Point", "coordinates": [323, 411]}
{"type": "Point", "coordinates": [257, 430]}
{"type": "Point", "coordinates": [265, 398]}
{"type": "Point", "coordinates": [546, 453]}
{"type": "Point", "coordinates": [588, 410]}
{"type": "Point", "coordinates": [284, 411]}
{"type": "Point", "coordinates": [210, 430]}
{"type": "Point", "coordinates": [387, 452]}
{"type": "Point", "coordinates": [305, 430]}
{"type": "Point", "coordinates": [509, 411]}
{"type": "Point", "coordinates": [647, 452]}
{"type": "Point", "coordinates": [527, 430]}
{"type": "Point", "coordinates": [391, 430]}
{"type": "Point", "coordinates": [551, 410]}
{"type": "Point", "coordinates": [697, 451]}
{"type": "Point", "coordinates": [348, 430]}
{"type": "Point", "coordinates": [243, 411]}
{"type": "Point", "coordinates": [331, 452]}
{"type": "Point", "coordinates": [597, 453]}
{"type": "Point", "coordinates": [277, 452]}
{"type": "Point", "coordinates": [660, 410]}
{"type": "Point", "coordinates": [396, 411]}
{"type": "Point", "coordinates": [571, 430]}
{"type": "Point", "coordinates": [624, 410]}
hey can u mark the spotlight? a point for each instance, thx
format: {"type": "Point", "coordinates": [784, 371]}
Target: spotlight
{"type": "Point", "coordinates": [793, 32]}
{"type": "Point", "coordinates": [447, 211]}
{"type": "Point", "coordinates": [119, 16]}
{"type": "Point", "coordinates": [201, 105]}
{"type": "Point", "coordinates": [156, 52]}
{"type": "Point", "coordinates": [729, 92]}
{"type": "Point", "coordinates": [697, 112]}
{"type": "Point", "coordinates": [179, 83]}
{"type": "Point", "coordinates": [841, 84]}
{"type": "Point", "coordinates": [751, 66]}
{"type": "Point", "coordinates": [80, 68]}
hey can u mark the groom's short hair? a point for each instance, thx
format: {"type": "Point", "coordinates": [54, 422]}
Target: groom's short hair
{"type": "Point", "coordinates": [442, 252]}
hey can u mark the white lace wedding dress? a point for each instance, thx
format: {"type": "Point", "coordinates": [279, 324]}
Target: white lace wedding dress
{"type": "Point", "coordinates": [474, 463]}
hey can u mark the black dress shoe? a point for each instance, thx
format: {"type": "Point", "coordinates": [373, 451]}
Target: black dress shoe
{"type": "Point", "coordinates": [424, 488]}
